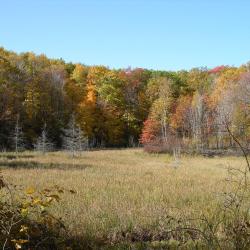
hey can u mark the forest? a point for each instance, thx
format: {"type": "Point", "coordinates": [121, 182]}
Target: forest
{"type": "Point", "coordinates": [45, 101]}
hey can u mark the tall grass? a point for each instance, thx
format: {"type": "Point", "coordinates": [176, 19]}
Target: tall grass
{"type": "Point", "coordinates": [120, 191]}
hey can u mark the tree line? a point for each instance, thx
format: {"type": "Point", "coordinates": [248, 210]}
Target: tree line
{"type": "Point", "coordinates": [120, 108]}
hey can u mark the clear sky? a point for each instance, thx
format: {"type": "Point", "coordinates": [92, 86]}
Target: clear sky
{"type": "Point", "coordinates": [156, 34]}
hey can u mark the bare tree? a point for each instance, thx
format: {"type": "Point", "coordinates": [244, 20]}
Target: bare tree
{"type": "Point", "coordinates": [224, 115]}
{"type": "Point", "coordinates": [74, 139]}
{"type": "Point", "coordinates": [198, 111]}
{"type": "Point", "coordinates": [233, 112]}
{"type": "Point", "coordinates": [17, 137]}
{"type": "Point", "coordinates": [43, 143]}
{"type": "Point", "coordinates": [243, 98]}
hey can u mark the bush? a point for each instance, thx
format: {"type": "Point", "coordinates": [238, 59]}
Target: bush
{"type": "Point", "coordinates": [167, 145]}
{"type": "Point", "coordinates": [25, 222]}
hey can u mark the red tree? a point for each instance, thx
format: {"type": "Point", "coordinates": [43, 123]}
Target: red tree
{"type": "Point", "coordinates": [150, 131]}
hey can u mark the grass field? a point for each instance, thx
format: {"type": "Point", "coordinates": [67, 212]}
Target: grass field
{"type": "Point", "coordinates": [121, 190]}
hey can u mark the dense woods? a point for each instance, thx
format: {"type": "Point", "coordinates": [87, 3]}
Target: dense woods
{"type": "Point", "coordinates": [121, 108]}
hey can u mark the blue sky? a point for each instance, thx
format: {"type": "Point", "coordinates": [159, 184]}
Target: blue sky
{"type": "Point", "coordinates": [155, 34]}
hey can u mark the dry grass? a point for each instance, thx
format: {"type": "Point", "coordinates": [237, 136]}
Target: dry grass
{"type": "Point", "coordinates": [121, 189]}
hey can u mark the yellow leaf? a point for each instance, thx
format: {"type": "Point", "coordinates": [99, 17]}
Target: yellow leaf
{"type": "Point", "coordinates": [37, 201]}
{"type": "Point", "coordinates": [18, 246]}
{"type": "Point", "coordinates": [26, 204]}
{"type": "Point", "coordinates": [49, 200]}
{"type": "Point", "coordinates": [24, 211]}
{"type": "Point", "coordinates": [42, 208]}
{"type": "Point", "coordinates": [23, 229]}
{"type": "Point", "coordinates": [21, 241]}
{"type": "Point", "coordinates": [18, 243]}
{"type": "Point", "coordinates": [30, 190]}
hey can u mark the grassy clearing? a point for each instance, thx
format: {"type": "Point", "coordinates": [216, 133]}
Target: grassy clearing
{"type": "Point", "coordinates": [118, 190]}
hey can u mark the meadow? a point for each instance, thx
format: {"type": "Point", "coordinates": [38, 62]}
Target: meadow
{"type": "Point", "coordinates": [118, 191]}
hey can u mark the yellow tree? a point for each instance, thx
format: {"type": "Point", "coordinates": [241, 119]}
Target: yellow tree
{"type": "Point", "coordinates": [162, 105]}
{"type": "Point", "coordinates": [228, 77]}
{"type": "Point", "coordinates": [89, 111]}
{"type": "Point", "coordinates": [80, 74]}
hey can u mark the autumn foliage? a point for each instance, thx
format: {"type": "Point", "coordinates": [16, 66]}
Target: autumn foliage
{"type": "Point", "coordinates": [150, 131]}
{"type": "Point", "coordinates": [121, 108]}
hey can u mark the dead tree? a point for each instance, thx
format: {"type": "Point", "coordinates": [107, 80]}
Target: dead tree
{"type": "Point", "coordinates": [43, 143]}
{"type": "Point", "coordinates": [74, 140]}
{"type": "Point", "coordinates": [18, 139]}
